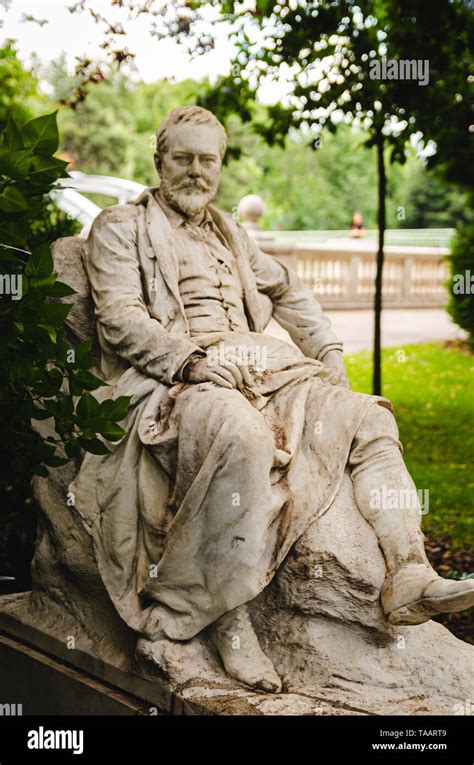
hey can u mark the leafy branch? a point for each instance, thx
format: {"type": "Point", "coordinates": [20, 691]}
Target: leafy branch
{"type": "Point", "coordinates": [41, 376]}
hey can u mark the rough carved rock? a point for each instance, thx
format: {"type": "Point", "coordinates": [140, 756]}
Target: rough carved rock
{"type": "Point", "coordinates": [320, 621]}
{"type": "Point", "coordinates": [328, 636]}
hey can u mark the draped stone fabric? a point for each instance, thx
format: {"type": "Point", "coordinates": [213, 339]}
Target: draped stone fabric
{"type": "Point", "coordinates": [195, 508]}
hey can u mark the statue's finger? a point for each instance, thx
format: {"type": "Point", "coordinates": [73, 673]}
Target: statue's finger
{"type": "Point", "coordinates": [246, 374]}
{"type": "Point", "coordinates": [243, 368]}
{"type": "Point", "coordinates": [214, 377]}
{"type": "Point", "coordinates": [234, 369]}
{"type": "Point", "coordinates": [226, 374]}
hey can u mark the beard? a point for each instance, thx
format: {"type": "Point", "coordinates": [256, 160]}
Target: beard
{"type": "Point", "coordinates": [190, 198]}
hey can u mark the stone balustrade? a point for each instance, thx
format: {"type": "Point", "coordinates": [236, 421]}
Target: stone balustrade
{"type": "Point", "coordinates": [341, 272]}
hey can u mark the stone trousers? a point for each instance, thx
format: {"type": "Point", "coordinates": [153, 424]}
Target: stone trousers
{"type": "Point", "coordinates": [235, 521]}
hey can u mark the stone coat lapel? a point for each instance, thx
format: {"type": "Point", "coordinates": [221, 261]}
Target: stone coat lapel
{"type": "Point", "coordinates": [156, 249]}
{"type": "Point", "coordinates": [249, 284]}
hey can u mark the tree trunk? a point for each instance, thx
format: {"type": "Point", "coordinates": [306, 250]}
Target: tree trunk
{"type": "Point", "coordinates": [377, 369]}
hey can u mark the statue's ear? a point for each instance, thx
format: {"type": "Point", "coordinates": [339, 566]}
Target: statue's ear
{"type": "Point", "coordinates": [157, 159]}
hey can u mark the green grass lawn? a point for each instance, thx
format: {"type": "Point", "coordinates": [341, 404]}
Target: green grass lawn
{"type": "Point", "coordinates": [432, 391]}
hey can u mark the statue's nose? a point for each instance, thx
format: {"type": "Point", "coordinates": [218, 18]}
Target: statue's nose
{"type": "Point", "coordinates": [195, 167]}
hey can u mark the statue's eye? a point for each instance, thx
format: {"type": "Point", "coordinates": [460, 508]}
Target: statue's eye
{"type": "Point", "coordinates": [183, 159]}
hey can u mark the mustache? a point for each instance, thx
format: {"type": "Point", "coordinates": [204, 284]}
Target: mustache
{"type": "Point", "coordinates": [192, 185]}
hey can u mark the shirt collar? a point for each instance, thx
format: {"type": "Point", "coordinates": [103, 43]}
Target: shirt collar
{"type": "Point", "coordinates": [177, 219]}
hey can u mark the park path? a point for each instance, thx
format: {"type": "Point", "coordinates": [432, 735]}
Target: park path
{"type": "Point", "coordinates": [399, 327]}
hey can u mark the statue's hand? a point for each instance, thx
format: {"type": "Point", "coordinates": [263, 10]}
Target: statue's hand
{"type": "Point", "coordinates": [335, 359]}
{"type": "Point", "coordinates": [344, 381]}
{"type": "Point", "coordinates": [225, 373]}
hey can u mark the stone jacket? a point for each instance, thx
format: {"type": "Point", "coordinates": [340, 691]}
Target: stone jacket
{"type": "Point", "coordinates": [133, 273]}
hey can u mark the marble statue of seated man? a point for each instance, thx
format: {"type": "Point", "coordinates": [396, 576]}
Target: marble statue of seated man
{"type": "Point", "coordinates": [235, 441]}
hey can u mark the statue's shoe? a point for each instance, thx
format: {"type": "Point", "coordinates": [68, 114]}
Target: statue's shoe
{"type": "Point", "coordinates": [416, 593]}
{"type": "Point", "coordinates": [234, 638]}
{"type": "Point", "coordinates": [152, 654]}
{"type": "Point", "coordinates": [177, 662]}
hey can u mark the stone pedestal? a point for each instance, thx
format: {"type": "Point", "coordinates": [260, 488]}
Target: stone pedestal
{"type": "Point", "coordinates": [35, 683]}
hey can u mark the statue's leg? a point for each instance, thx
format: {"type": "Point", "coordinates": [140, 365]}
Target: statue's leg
{"type": "Point", "coordinates": [387, 498]}
{"type": "Point", "coordinates": [215, 553]}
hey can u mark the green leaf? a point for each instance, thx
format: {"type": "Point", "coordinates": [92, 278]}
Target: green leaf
{"type": "Point", "coordinates": [82, 351]}
{"type": "Point", "coordinates": [15, 235]}
{"type": "Point", "coordinates": [50, 167]}
{"type": "Point", "coordinates": [88, 380]}
{"type": "Point", "coordinates": [93, 445]}
{"type": "Point", "coordinates": [87, 408]}
{"type": "Point", "coordinates": [50, 331]}
{"type": "Point", "coordinates": [59, 290]}
{"type": "Point", "coordinates": [15, 164]}
{"type": "Point", "coordinates": [55, 313]}
{"type": "Point", "coordinates": [55, 461]}
{"type": "Point", "coordinates": [12, 200]}
{"type": "Point", "coordinates": [41, 414]}
{"type": "Point", "coordinates": [116, 409]}
{"type": "Point", "coordinates": [112, 432]}
{"type": "Point", "coordinates": [72, 449]}
{"type": "Point", "coordinates": [75, 388]}
{"type": "Point", "coordinates": [12, 135]}
{"type": "Point", "coordinates": [43, 281]}
{"type": "Point", "coordinates": [41, 134]}
{"type": "Point", "coordinates": [66, 406]}
{"type": "Point", "coordinates": [40, 263]}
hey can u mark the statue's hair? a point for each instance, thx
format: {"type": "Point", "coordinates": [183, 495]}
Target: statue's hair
{"type": "Point", "coordinates": [195, 115]}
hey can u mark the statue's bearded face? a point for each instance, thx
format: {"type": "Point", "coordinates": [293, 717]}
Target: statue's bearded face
{"type": "Point", "coordinates": [190, 168]}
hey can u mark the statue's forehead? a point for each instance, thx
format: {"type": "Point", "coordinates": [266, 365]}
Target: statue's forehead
{"type": "Point", "coordinates": [196, 139]}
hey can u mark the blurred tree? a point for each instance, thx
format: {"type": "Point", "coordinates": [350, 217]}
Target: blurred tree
{"type": "Point", "coordinates": [443, 111]}
{"type": "Point", "coordinates": [18, 86]}
{"type": "Point", "coordinates": [461, 302]}
{"type": "Point", "coordinates": [429, 201]}
{"type": "Point", "coordinates": [112, 132]}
